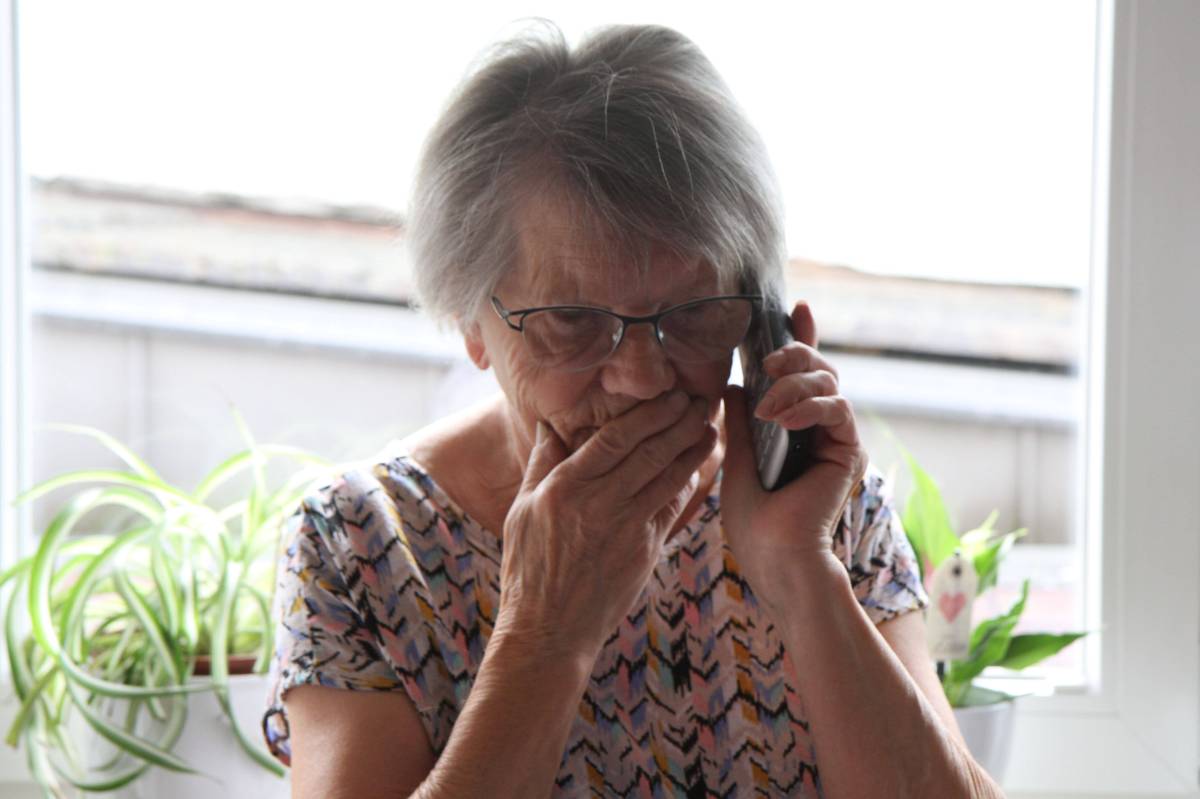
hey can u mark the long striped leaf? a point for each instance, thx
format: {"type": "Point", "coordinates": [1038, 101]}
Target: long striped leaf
{"type": "Point", "coordinates": [166, 588]}
{"type": "Point", "coordinates": [39, 592]}
{"type": "Point", "coordinates": [25, 714]}
{"type": "Point", "coordinates": [220, 667]}
{"type": "Point", "coordinates": [101, 476]}
{"type": "Point", "coordinates": [238, 462]}
{"type": "Point", "coordinates": [133, 744]}
{"type": "Point", "coordinates": [116, 447]}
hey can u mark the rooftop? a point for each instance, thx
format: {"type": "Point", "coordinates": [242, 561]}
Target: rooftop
{"type": "Point", "coordinates": [354, 253]}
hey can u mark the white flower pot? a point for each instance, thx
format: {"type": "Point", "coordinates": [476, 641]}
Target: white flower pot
{"type": "Point", "coordinates": [209, 745]}
{"type": "Point", "coordinates": [988, 731]}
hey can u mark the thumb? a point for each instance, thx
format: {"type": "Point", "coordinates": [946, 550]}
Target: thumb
{"type": "Point", "coordinates": [548, 451]}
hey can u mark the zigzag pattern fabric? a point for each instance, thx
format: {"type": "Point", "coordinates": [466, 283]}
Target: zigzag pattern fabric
{"type": "Point", "coordinates": [385, 584]}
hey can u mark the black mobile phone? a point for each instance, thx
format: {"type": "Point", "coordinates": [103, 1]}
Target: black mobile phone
{"type": "Point", "coordinates": [782, 454]}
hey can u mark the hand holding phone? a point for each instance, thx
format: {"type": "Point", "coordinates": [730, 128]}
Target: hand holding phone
{"type": "Point", "coordinates": [781, 454]}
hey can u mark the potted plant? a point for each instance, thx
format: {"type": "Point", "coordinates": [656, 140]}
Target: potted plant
{"type": "Point", "coordinates": [118, 624]}
{"type": "Point", "coordinates": [984, 715]}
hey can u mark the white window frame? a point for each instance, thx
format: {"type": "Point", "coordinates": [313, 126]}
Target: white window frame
{"type": "Point", "coordinates": [14, 315]}
{"type": "Point", "coordinates": [1137, 732]}
{"type": "Point", "coordinates": [14, 356]}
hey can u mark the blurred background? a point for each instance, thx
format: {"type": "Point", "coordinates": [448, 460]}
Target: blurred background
{"type": "Point", "coordinates": [218, 200]}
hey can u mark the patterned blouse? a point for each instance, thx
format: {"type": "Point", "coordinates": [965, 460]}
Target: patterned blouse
{"type": "Point", "coordinates": [384, 584]}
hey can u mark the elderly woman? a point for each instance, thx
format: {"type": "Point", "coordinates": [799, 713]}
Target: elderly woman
{"type": "Point", "coordinates": [580, 587]}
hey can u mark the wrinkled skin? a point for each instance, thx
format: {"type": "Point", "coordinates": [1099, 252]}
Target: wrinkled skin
{"type": "Point", "coordinates": [616, 469]}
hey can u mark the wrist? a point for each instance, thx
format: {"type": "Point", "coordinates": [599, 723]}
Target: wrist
{"type": "Point", "coordinates": [530, 640]}
{"type": "Point", "coordinates": [801, 584]}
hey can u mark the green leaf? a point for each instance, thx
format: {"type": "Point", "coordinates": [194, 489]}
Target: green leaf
{"type": "Point", "coordinates": [976, 696]}
{"type": "Point", "coordinates": [145, 616]}
{"type": "Point", "coordinates": [41, 572]}
{"type": "Point", "coordinates": [238, 462]}
{"type": "Point", "coordinates": [926, 521]}
{"type": "Point", "coordinates": [266, 645]}
{"type": "Point", "coordinates": [25, 715]}
{"type": "Point", "coordinates": [989, 642]}
{"type": "Point", "coordinates": [139, 747]}
{"type": "Point", "coordinates": [973, 540]}
{"type": "Point", "coordinates": [116, 447]}
{"type": "Point", "coordinates": [1025, 650]}
{"type": "Point", "coordinates": [987, 562]}
{"type": "Point", "coordinates": [166, 588]}
{"type": "Point", "coordinates": [153, 487]}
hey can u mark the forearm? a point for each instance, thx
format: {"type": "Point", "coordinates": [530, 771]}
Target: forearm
{"type": "Point", "coordinates": [874, 731]}
{"type": "Point", "coordinates": [508, 741]}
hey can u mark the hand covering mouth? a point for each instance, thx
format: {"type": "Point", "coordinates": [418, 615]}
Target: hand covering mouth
{"type": "Point", "coordinates": [581, 436]}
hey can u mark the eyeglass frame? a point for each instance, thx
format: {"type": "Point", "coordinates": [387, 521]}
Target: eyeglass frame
{"type": "Point", "coordinates": [625, 319]}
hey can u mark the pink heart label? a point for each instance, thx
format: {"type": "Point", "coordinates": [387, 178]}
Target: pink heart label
{"type": "Point", "coordinates": [952, 604]}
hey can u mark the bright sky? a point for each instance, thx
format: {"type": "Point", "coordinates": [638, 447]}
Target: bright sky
{"type": "Point", "coordinates": [945, 139]}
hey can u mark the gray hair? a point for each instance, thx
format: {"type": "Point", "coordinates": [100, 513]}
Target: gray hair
{"type": "Point", "coordinates": [635, 124]}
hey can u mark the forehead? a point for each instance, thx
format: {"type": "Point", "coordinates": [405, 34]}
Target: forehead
{"type": "Point", "coordinates": [564, 255]}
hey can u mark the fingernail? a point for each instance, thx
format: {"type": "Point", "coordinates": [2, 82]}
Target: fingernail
{"type": "Point", "coordinates": [765, 408]}
{"type": "Point", "coordinates": [773, 359]}
{"type": "Point", "coordinates": [540, 433]}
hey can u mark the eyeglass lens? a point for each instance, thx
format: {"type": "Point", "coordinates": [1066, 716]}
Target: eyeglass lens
{"type": "Point", "coordinates": [574, 339]}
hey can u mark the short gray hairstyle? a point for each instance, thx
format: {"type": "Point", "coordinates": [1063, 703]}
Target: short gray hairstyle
{"type": "Point", "coordinates": [634, 123]}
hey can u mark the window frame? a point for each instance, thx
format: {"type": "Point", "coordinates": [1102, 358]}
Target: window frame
{"type": "Point", "coordinates": [14, 309]}
{"type": "Point", "coordinates": [1138, 731]}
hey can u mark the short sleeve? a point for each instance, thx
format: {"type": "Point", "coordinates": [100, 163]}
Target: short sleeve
{"type": "Point", "coordinates": [324, 634]}
{"type": "Point", "coordinates": [871, 544]}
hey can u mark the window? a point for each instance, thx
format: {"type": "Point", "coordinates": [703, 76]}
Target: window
{"type": "Point", "coordinates": [1097, 386]}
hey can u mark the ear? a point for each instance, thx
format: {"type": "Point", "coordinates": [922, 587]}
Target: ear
{"type": "Point", "coordinates": [476, 351]}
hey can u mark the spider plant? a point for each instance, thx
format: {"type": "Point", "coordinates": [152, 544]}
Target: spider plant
{"type": "Point", "coordinates": [115, 621]}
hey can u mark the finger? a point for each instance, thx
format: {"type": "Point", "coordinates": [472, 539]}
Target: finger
{"type": "Point", "coordinates": [650, 458]}
{"type": "Point", "coordinates": [796, 357]}
{"type": "Point", "coordinates": [614, 441]}
{"type": "Point", "coordinates": [804, 326]}
{"type": "Point", "coordinates": [665, 497]}
{"type": "Point", "coordinates": [548, 451]}
{"type": "Point", "coordinates": [834, 414]}
{"type": "Point", "coordinates": [788, 390]}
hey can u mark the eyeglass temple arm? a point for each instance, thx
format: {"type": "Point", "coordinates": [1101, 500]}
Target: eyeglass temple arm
{"type": "Point", "coordinates": [506, 315]}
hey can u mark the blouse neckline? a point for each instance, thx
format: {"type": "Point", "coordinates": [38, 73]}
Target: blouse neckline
{"type": "Point", "coordinates": [477, 532]}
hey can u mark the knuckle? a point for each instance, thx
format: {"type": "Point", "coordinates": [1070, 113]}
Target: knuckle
{"type": "Point", "coordinates": [654, 456]}
{"type": "Point", "coordinates": [549, 491]}
{"type": "Point", "coordinates": [610, 440]}
{"type": "Point", "coordinates": [862, 461]}
{"type": "Point", "coordinates": [825, 382]}
{"type": "Point", "coordinates": [794, 355]}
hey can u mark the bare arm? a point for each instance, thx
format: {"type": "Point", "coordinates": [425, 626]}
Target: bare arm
{"type": "Point", "coordinates": [510, 737]}
{"type": "Point", "coordinates": [875, 732]}
{"type": "Point", "coordinates": [507, 742]}
{"type": "Point", "coordinates": [355, 743]}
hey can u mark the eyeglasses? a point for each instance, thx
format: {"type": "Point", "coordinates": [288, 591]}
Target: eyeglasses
{"type": "Point", "coordinates": [572, 338]}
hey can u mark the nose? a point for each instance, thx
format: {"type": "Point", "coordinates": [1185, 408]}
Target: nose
{"type": "Point", "coordinates": [639, 367]}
